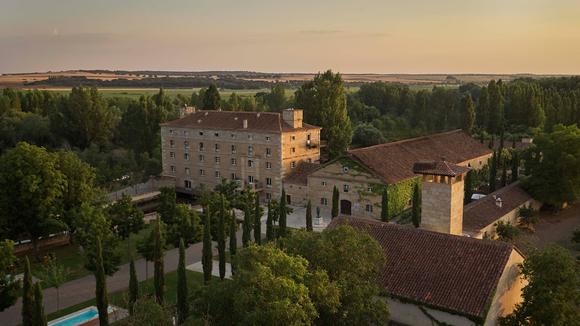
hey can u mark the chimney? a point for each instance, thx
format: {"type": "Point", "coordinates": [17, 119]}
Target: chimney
{"type": "Point", "coordinates": [245, 123]}
{"type": "Point", "coordinates": [293, 117]}
{"type": "Point", "coordinates": [498, 202]}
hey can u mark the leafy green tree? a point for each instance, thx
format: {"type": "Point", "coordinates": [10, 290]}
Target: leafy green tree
{"type": "Point", "coordinates": [335, 202]}
{"type": "Point", "coordinates": [27, 296]}
{"type": "Point", "coordinates": [468, 113]}
{"type": "Point", "coordinates": [309, 216]}
{"type": "Point", "coordinates": [182, 290]}
{"type": "Point", "coordinates": [276, 99]}
{"type": "Point", "coordinates": [247, 226]}
{"type": "Point", "coordinates": [233, 102]}
{"type": "Point", "coordinates": [552, 293]}
{"type": "Point", "coordinates": [30, 187]}
{"type": "Point", "coordinates": [416, 209]}
{"type": "Point", "coordinates": [528, 216]}
{"type": "Point", "coordinates": [186, 226]}
{"type": "Point", "coordinates": [282, 214]}
{"type": "Point", "coordinates": [233, 240]}
{"type": "Point", "coordinates": [493, 172]}
{"type": "Point", "coordinates": [221, 237]}
{"type": "Point", "coordinates": [384, 205]}
{"type": "Point", "coordinates": [158, 253]}
{"type": "Point", "coordinates": [207, 255]}
{"type": "Point", "coordinates": [257, 220]}
{"type": "Point", "coordinates": [133, 287]}
{"type": "Point", "coordinates": [270, 223]}
{"type": "Point", "coordinates": [38, 319]}
{"type": "Point", "coordinates": [167, 205]}
{"type": "Point", "coordinates": [355, 275]}
{"type": "Point", "coordinates": [146, 247]}
{"type": "Point", "coordinates": [324, 102]}
{"type": "Point", "coordinates": [9, 286]}
{"type": "Point", "coordinates": [515, 166]}
{"type": "Point", "coordinates": [554, 166]}
{"type": "Point", "coordinates": [139, 127]}
{"type": "Point", "coordinates": [125, 217]}
{"type": "Point", "coordinates": [149, 313]}
{"type": "Point", "coordinates": [101, 285]}
{"type": "Point", "coordinates": [366, 134]}
{"type": "Point", "coordinates": [54, 275]}
{"type": "Point", "coordinates": [211, 98]}
{"type": "Point", "coordinates": [468, 187]}
{"type": "Point", "coordinates": [506, 231]}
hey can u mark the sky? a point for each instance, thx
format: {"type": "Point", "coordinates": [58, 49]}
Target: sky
{"type": "Point", "coordinates": [356, 36]}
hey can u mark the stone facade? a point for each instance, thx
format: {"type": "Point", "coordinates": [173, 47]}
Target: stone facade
{"type": "Point", "coordinates": [442, 204]}
{"type": "Point", "coordinates": [198, 157]}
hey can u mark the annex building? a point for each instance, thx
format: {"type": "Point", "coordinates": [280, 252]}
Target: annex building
{"type": "Point", "coordinates": [256, 149]}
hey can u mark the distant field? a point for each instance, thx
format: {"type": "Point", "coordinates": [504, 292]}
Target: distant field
{"type": "Point", "coordinates": [136, 93]}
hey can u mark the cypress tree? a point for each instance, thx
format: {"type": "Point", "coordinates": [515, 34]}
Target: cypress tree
{"type": "Point", "coordinates": [282, 215]}
{"type": "Point", "coordinates": [221, 237]}
{"type": "Point", "coordinates": [233, 240]}
{"type": "Point", "coordinates": [158, 276]}
{"type": "Point", "coordinates": [468, 188]}
{"type": "Point", "coordinates": [515, 166]}
{"type": "Point", "coordinates": [39, 319]}
{"type": "Point", "coordinates": [27, 295]}
{"type": "Point", "coordinates": [503, 173]}
{"type": "Point", "coordinates": [133, 286]}
{"type": "Point", "coordinates": [257, 221]}
{"type": "Point", "coordinates": [335, 199]}
{"type": "Point", "coordinates": [309, 216]}
{"type": "Point", "coordinates": [101, 286]}
{"type": "Point", "coordinates": [416, 205]}
{"type": "Point", "coordinates": [247, 227]}
{"type": "Point", "coordinates": [206, 259]}
{"type": "Point", "coordinates": [182, 305]}
{"type": "Point", "coordinates": [270, 224]}
{"type": "Point", "coordinates": [385, 205]}
{"type": "Point", "coordinates": [493, 172]}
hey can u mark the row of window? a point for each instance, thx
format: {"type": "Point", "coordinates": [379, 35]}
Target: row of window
{"type": "Point", "coordinates": [234, 177]}
{"type": "Point", "coordinates": [201, 148]}
{"type": "Point", "coordinates": [346, 187]}
{"type": "Point", "coordinates": [324, 202]}
{"type": "Point", "coordinates": [217, 160]}
{"type": "Point", "coordinates": [217, 134]}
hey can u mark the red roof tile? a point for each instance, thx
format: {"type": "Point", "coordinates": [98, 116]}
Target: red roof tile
{"type": "Point", "coordinates": [448, 272]}
{"type": "Point", "coordinates": [394, 161]}
{"type": "Point", "coordinates": [439, 168]}
{"type": "Point", "coordinates": [299, 175]}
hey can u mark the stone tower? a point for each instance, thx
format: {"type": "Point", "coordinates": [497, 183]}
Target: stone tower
{"type": "Point", "coordinates": [442, 196]}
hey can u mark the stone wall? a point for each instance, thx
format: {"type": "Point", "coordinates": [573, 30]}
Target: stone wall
{"type": "Point", "coordinates": [442, 204]}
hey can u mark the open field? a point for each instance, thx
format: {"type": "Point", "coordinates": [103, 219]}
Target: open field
{"type": "Point", "coordinates": [135, 93]}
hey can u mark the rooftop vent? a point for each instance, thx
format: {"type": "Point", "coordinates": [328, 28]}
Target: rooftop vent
{"type": "Point", "coordinates": [205, 114]}
{"type": "Point", "coordinates": [199, 121]}
{"type": "Point", "coordinates": [498, 202]}
{"type": "Point", "coordinates": [258, 115]}
{"type": "Point", "coordinates": [235, 118]}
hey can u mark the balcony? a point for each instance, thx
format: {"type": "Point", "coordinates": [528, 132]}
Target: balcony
{"type": "Point", "coordinates": [310, 144]}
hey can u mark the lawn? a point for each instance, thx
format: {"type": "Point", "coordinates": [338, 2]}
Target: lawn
{"type": "Point", "coordinates": [120, 298]}
{"type": "Point", "coordinates": [70, 256]}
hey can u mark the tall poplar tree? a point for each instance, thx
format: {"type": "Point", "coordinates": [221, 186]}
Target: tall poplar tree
{"type": "Point", "coordinates": [309, 216]}
{"type": "Point", "coordinates": [182, 305]}
{"type": "Point", "coordinates": [468, 113]}
{"type": "Point", "coordinates": [221, 237]}
{"type": "Point", "coordinates": [101, 285]}
{"type": "Point", "coordinates": [335, 202]}
{"type": "Point", "coordinates": [233, 240]}
{"type": "Point", "coordinates": [248, 224]}
{"type": "Point", "coordinates": [27, 295]}
{"type": "Point", "coordinates": [211, 98]}
{"type": "Point", "coordinates": [39, 319]}
{"type": "Point", "coordinates": [416, 205]}
{"type": "Point", "coordinates": [385, 205]}
{"type": "Point", "coordinates": [207, 259]}
{"type": "Point", "coordinates": [257, 220]}
{"type": "Point", "coordinates": [270, 223]}
{"type": "Point", "coordinates": [158, 272]}
{"type": "Point", "coordinates": [282, 214]}
{"type": "Point", "coordinates": [493, 172]}
{"type": "Point", "coordinates": [133, 286]}
{"type": "Point", "coordinates": [515, 166]}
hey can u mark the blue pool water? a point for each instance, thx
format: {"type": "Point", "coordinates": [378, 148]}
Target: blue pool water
{"type": "Point", "coordinates": [77, 319]}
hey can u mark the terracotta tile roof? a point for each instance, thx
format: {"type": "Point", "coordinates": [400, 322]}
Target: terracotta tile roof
{"type": "Point", "coordinates": [448, 272]}
{"type": "Point", "coordinates": [487, 210]}
{"type": "Point", "coordinates": [299, 175]}
{"type": "Point", "coordinates": [270, 122]}
{"type": "Point", "coordinates": [394, 161]}
{"type": "Point", "coordinates": [439, 168]}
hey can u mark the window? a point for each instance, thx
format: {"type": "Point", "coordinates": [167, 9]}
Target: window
{"type": "Point", "coordinates": [186, 156]}
{"type": "Point", "coordinates": [269, 182]}
{"type": "Point", "coordinates": [345, 188]}
{"type": "Point", "coordinates": [369, 208]}
{"type": "Point", "coordinates": [173, 169]}
{"type": "Point", "coordinates": [267, 138]}
{"type": "Point", "coordinates": [201, 172]}
{"type": "Point", "coordinates": [323, 183]}
{"type": "Point", "coordinates": [217, 174]}
{"type": "Point", "coordinates": [268, 165]}
{"type": "Point", "coordinates": [308, 137]}
{"type": "Point", "coordinates": [309, 160]}
{"type": "Point", "coordinates": [323, 201]}
{"type": "Point", "coordinates": [187, 184]}
{"type": "Point", "coordinates": [201, 133]}
{"type": "Point", "coordinates": [345, 169]}
{"type": "Point", "coordinates": [171, 131]}
{"type": "Point", "coordinates": [186, 144]}
{"type": "Point", "coordinates": [217, 147]}
{"type": "Point", "coordinates": [293, 137]}
{"type": "Point", "coordinates": [234, 176]}
{"type": "Point", "coordinates": [201, 147]}
{"type": "Point", "coordinates": [233, 149]}
{"type": "Point", "coordinates": [171, 143]}
{"type": "Point", "coordinates": [250, 150]}
{"type": "Point", "coordinates": [293, 164]}
{"type": "Point", "coordinates": [250, 179]}
{"type": "Point", "coordinates": [172, 154]}
{"type": "Point", "coordinates": [233, 135]}
{"type": "Point", "coordinates": [186, 133]}
{"type": "Point", "coordinates": [187, 171]}
{"type": "Point", "coordinates": [250, 163]}
{"type": "Point", "coordinates": [234, 162]}
{"type": "Point", "coordinates": [268, 196]}
{"type": "Point", "coordinates": [217, 159]}
{"type": "Point", "coordinates": [250, 137]}
{"type": "Point", "coordinates": [293, 149]}
{"type": "Point", "coordinates": [370, 189]}
{"type": "Point", "coordinates": [268, 152]}
{"type": "Point", "coordinates": [201, 158]}
{"type": "Point", "coordinates": [217, 134]}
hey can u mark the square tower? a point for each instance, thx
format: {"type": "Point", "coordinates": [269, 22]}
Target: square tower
{"type": "Point", "coordinates": [293, 117]}
{"type": "Point", "coordinates": [442, 196]}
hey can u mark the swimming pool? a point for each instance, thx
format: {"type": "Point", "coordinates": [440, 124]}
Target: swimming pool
{"type": "Point", "coordinates": [78, 317]}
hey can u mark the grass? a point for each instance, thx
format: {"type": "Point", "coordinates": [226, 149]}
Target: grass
{"type": "Point", "coordinates": [120, 298]}
{"type": "Point", "coordinates": [71, 258]}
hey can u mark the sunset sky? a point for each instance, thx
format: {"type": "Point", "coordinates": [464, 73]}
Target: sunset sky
{"type": "Point", "coordinates": [382, 36]}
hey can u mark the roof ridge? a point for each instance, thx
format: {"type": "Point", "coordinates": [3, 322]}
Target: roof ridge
{"type": "Point", "coordinates": [402, 141]}
{"type": "Point", "coordinates": [499, 191]}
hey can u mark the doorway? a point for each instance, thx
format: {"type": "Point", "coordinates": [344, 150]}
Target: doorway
{"type": "Point", "coordinates": [345, 207]}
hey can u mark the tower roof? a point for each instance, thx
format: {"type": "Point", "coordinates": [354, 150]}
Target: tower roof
{"type": "Point", "coordinates": [441, 167]}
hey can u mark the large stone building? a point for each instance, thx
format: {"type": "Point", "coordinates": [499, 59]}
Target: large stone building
{"type": "Point", "coordinates": [433, 278]}
{"type": "Point", "coordinates": [257, 149]}
{"type": "Point", "coordinates": [363, 173]}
